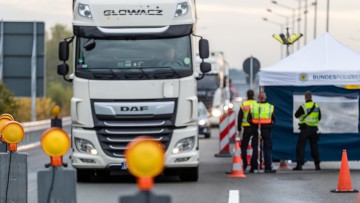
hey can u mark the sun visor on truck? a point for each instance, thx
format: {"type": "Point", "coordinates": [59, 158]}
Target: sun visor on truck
{"type": "Point", "coordinates": [94, 32]}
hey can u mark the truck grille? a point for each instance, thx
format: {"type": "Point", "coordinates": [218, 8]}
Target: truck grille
{"type": "Point", "coordinates": [113, 141]}
{"type": "Point", "coordinates": [116, 129]}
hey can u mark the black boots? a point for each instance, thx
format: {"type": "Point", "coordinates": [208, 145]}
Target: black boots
{"type": "Point", "coordinates": [298, 168]}
{"type": "Point", "coordinates": [317, 167]}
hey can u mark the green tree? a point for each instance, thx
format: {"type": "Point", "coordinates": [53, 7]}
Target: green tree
{"type": "Point", "coordinates": [7, 102]}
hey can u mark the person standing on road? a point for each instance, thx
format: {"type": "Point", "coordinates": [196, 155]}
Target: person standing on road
{"type": "Point", "coordinates": [262, 117]}
{"type": "Point", "coordinates": [309, 115]}
{"type": "Point", "coordinates": [244, 125]}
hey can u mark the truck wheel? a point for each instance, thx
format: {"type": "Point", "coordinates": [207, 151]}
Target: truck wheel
{"type": "Point", "coordinates": [84, 175]}
{"type": "Point", "coordinates": [189, 174]}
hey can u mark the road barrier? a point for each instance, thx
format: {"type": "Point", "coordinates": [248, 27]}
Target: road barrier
{"type": "Point", "coordinates": [228, 132]}
{"type": "Point", "coordinates": [13, 165]}
{"type": "Point", "coordinates": [145, 168]}
{"type": "Point", "coordinates": [56, 184]}
{"type": "Point", "coordinates": [224, 138]}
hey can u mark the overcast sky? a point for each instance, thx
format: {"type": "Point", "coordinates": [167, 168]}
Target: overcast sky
{"type": "Point", "coordinates": [235, 27]}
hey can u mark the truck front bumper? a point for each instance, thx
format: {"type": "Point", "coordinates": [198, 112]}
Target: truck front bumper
{"type": "Point", "coordinates": [103, 161]}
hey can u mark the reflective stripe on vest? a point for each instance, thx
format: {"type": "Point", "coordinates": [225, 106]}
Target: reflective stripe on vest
{"type": "Point", "coordinates": [313, 118]}
{"type": "Point", "coordinates": [264, 116]}
{"type": "Point", "coordinates": [246, 106]}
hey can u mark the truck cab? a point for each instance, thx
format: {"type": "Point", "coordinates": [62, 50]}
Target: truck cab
{"type": "Point", "coordinates": [133, 75]}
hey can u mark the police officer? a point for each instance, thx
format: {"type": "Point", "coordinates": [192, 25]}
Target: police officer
{"type": "Point", "coordinates": [309, 115]}
{"type": "Point", "coordinates": [262, 117]}
{"type": "Point", "coordinates": [248, 131]}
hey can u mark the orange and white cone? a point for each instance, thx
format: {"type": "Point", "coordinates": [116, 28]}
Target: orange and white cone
{"type": "Point", "coordinates": [249, 153]}
{"type": "Point", "coordinates": [344, 182]}
{"type": "Point", "coordinates": [237, 168]}
{"type": "Point", "coordinates": [283, 164]}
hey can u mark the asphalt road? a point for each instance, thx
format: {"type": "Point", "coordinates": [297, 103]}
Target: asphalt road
{"type": "Point", "coordinates": [213, 186]}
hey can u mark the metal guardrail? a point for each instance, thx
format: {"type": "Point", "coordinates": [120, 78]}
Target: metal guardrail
{"type": "Point", "coordinates": [34, 130]}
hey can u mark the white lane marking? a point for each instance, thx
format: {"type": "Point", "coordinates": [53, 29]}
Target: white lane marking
{"type": "Point", "coordinates": [28, 146]}
{"type": "Point", "coordinates": [234, 196]}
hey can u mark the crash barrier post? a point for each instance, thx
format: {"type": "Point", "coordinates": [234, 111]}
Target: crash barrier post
{"type": "Point", "coordinates": [4, 118]}
{"type": "Point", "coordinates": [232, 130]}
{"type": "Point", "coordinates": [145, 168]}
{"type": "Point", "coordinates": [237, 163]}
{"type": "Point", "coordinates": [344, 182]}
{"type": "Point", "coordinates": [13, 166]}
{"type": "Point", "coordinates": [56, 121]}
{"type": "Point", "coordinates": [224, 137]}
{"type": "Point", "coordinates": [56, 184]}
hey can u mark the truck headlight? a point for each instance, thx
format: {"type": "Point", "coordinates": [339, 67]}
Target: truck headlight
{"type": "Point", "coordinates": [183, 145]}
{"type": "Point", "coordinates": [84, 10]}
{"type": "Point", "coordinates": [85, 146]}
{"type": "Point", "coordinates": [181, 9]}
{"type": "Point", "coordinates": [216, 112]}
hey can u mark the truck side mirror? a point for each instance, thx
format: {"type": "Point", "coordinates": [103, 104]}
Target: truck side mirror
{"type": "Point", "coordinates": [63, 51]}
{"type": "Point", "coordinates": [204, 48]}
{"type": "Point", "coordinates": [205, 67]}
{"type": "Point", "coordinates": [63, 69]}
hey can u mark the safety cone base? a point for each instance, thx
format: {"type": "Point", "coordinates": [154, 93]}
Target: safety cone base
{"type": "Point", "coordinates": [222, 155]}
{"type": "Point", "coordinates": [344, 191]}
{"type": "Point", "coordinates": [237, 176]}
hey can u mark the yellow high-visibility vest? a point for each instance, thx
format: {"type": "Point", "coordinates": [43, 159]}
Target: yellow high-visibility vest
{"type": "Point", "coordinates": [313, 118]}
{"type": "Point", "coordinates": [246, 106]}
{"type": "Point", "coordinates": [261, 113]}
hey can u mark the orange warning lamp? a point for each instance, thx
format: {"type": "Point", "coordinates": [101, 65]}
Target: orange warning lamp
{"type": "Point", "coordinates": [12, 133]}
{"type": "Point", "coordinates": [6, 115]}
{"type": "Point", "coordinates": [145, 159]}
{"type": "Point", "coordinates": [56, 111]}
{"type": "Point", "coordinates": [55, 142]}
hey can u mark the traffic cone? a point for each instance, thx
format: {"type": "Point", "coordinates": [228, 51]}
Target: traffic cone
{"type": "Point", "coordinates": [249, 153]}
{"type": "Point", "coordinates": [344, 182]}
{"type": "Point", "coordinates": [283, 164]}
{"type": "Point", "coordinates": [237, 168]}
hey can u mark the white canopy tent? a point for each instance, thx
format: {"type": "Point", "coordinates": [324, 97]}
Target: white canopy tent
{"type": "Point", "coordinates": [324, 61]}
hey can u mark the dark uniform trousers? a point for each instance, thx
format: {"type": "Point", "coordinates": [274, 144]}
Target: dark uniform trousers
{"type": "Point", "coordinates": [307, 133]}
{"type": "Point", "coordinates": [267, 140]}
{"type": "Point", "coordinates": [249, 132]}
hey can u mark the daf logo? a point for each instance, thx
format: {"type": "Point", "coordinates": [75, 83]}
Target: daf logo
{"type": "Point", "coordinates": [123, 12]}
{"type": "Point", "coordinates": [134, 108]}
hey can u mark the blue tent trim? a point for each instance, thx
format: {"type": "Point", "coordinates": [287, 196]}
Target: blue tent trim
{"type": "Point", "coordinates": [284, 140]}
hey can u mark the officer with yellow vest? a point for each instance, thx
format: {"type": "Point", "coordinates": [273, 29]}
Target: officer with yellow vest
{"type": "Point", "coordinates": [248, 131]}
{"type": "Point", "coordinates": [262, 117]}
{"type": "Point", "coordinates": [309, 115]}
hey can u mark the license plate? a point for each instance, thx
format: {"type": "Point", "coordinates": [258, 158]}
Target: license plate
{"type": "Point", "coordinates": [123, 166]}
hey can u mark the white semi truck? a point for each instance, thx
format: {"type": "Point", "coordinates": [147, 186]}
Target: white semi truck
{"type": "Point", "coordinates": [214, 90]}
{"type": "Point", "coordinates": [133, 76]}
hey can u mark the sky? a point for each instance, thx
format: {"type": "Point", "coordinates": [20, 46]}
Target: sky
{"type": "Point", "coordinates": [235, 27]}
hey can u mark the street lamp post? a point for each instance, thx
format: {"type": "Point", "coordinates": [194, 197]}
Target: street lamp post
{"type": "Point", "coordinates": [327, 15]}
{"type": "Point", "coordinates": [281, 30]}
{"type": "Point", "coordinates": [305, 21]}
{"type": "Point", "coordinates": [287, 7]}
{"type": "Point", "coordinates": [283, 16]}
{"type": "Point", "coordinates": [315, 17]}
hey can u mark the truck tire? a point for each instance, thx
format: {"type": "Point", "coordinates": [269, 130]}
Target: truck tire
{"type": "Point", "coordinates": [189, 174]}
{"type": "Point", "coordinates": [84, 175]}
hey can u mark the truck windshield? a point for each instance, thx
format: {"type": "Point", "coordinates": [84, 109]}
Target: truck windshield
{"type": "Point", "coordinates": [210, 82]}
{"type": "Point", "coordinates": [134, 58]}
